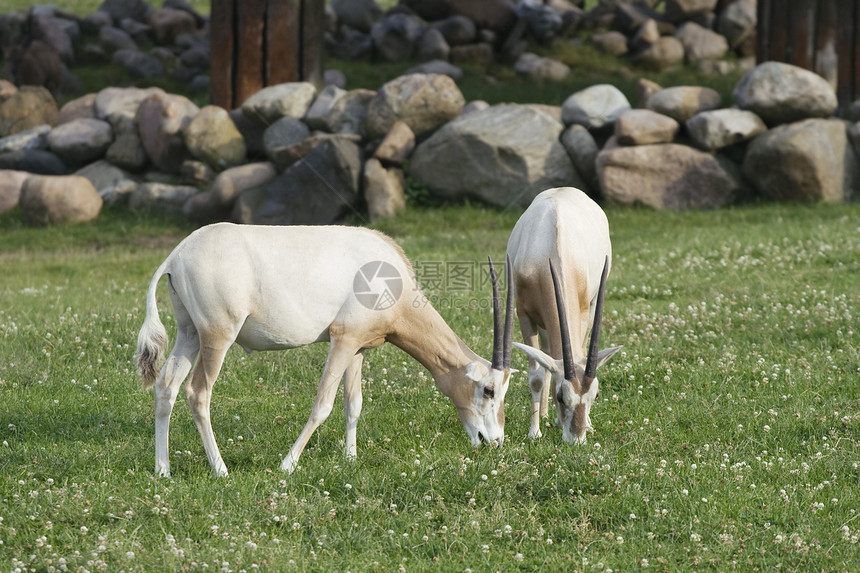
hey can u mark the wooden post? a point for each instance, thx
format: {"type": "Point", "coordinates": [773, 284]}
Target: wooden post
{"type": "Point", "coordinates": [250, 48]}
{"type": "Point", "coordinates": [845, 30]}
{"type": "Point", "coordinates": [283, 63]}
{"type": "Point", "coordinates": [313, 34]}
{"type": "Point", "coordinates": [826, 59]}
{"type": "Point", "coordinates": [779, 10]}
{"type": "Point", "coordinates": [801, 33]}
{"type": "Point", "coordinates": [855, 56]}
{"type": "Point", "coordinates": [259, 43]}
{"type": "Point", "coordinates": [818, 35]}
{"type": "Point", "coordinates": [221, 53]}
{"type": "Point", "coordinates": [762, 48]}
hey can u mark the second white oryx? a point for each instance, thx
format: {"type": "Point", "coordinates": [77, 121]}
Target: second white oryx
{"type": "Point", "coordinates": [561, 255]}
{"type": "Point", "coordinates": [272, 288]}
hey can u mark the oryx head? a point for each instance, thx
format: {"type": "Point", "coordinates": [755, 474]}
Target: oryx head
{"type": "Point", "coordinates": [575, 382]}
{"type": "Point", "coordinates": [485, 415]}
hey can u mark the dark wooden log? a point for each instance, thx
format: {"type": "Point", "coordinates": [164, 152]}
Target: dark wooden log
{"type": "Point", "coordinates": [778, 24]}
{"type": "Point", "coordinates": [845, 30]}
{"type": "Point", "coordinates": [819, 35]}
{"type": "Point", "coordinates": [762, 49]}
{"type": "Point", "coordinates": [221, 25]}
{"type": "Point", "coordinates": [855, 55]}
{"type": "Point", "coordinates": [283, 41]}
{"type": "Point", "coordinates": [801, 33]}
{"type": "Point", "coordinates": [249, 53]}
{"type": "Point", "coordinates": [312, 40]}
{"type": "Point", "coordinates": [259, 43]}
{"type": "Point", "coordinates": [826, 59]}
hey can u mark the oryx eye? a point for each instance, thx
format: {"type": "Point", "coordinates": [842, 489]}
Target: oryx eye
{"type": "Point", "coordinates": [489, 392]}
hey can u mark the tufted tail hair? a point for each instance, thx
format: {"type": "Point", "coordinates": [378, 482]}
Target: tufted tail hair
{"type": "Point", "coordinates": [152, 339]}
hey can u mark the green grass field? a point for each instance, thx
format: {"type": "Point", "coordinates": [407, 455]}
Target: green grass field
{"type": "Point", "coordinates": [725, 435]}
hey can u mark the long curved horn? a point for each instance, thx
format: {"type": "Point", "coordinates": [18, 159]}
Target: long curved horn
{"type": "Point", "coordinates": [591, 362]}
{"type": "Point", "coordinates": [509, 316]}
{"type": "Point", "coordinates": [497, 321]}
{"type": "Point", "coordinates": [566, 352]}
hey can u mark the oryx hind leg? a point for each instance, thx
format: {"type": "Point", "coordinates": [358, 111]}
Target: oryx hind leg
{"type": "Point", "coordinates": [172, 374]}
{"type": "Point", "coordinates": [198, 394]}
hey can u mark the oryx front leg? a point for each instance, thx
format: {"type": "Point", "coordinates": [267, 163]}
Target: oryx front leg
{"type": "Point", "coordinates": [352, 401]}
{"type": "Point", "coordinates": [166, 389]}
{"type": "Point", "coordinates": [340, 356]}
{"type": "Point", "coordinates": [198, 394]}
{"type": "Point", "coordinates": [537, 378]}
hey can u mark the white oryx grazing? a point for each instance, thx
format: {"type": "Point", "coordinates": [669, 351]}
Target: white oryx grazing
{"type": "Point", "coordinates": [561, 255]}
{"type": "Point", "coordinates": [272, 288]}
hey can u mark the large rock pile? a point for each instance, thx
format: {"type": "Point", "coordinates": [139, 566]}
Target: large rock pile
{"type": "Point", "coordinates": [292, 154]}
{"type": "Point", "coordinates": [686, 31]}
{"type": "Point", "coordinates": [42, 45]}
{"type": "Point", "coordinates": [480, 33]}
{"type": "Point", "coordinates": [780, 141]}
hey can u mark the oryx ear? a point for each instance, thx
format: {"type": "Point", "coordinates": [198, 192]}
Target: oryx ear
{"type": "Point", "coordinates": [476, 371]}
{"type": "Point", "coordinates": [604, 355]}
{"type": "Point", "coordinates": [541, 357]}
